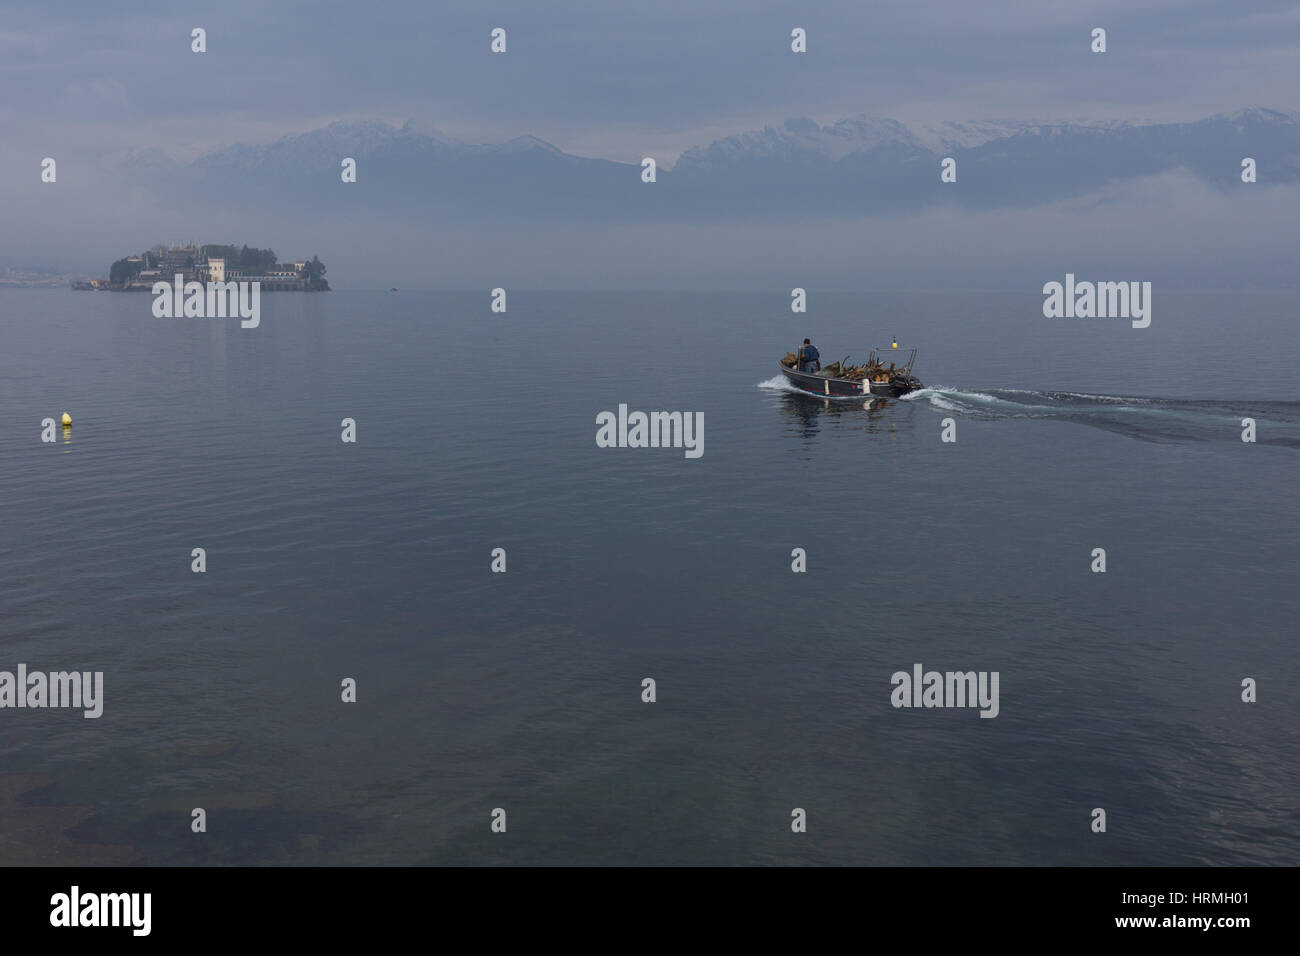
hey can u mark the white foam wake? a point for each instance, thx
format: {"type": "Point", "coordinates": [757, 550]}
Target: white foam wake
{"type": "Point", "coordinates": [778, 383]}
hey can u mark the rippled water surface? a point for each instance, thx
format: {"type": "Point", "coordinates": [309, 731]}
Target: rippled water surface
{"type": "Point", "coordinates": [523, 691]}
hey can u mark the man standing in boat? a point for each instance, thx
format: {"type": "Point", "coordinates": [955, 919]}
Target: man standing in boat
{"type": "Point", "coordinates": [810, 360]}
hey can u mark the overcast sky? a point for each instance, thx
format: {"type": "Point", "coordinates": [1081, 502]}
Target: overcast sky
{"type": "Point", "coordinates": [618, 80]}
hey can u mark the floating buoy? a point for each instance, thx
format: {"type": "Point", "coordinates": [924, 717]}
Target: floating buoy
{"type": "Point", "coordinates": [67, 420]}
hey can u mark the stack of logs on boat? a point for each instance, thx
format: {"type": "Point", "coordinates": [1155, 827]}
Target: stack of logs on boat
{"type": "Point", "coordinates": [875, 371]}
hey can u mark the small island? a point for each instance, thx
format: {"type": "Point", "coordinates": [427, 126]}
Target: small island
{"type": "Point", "coordinates": [211, 263]}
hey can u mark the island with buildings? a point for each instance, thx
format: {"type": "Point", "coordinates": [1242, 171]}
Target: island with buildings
{"type": "Point", "coordinates": [210, 263]}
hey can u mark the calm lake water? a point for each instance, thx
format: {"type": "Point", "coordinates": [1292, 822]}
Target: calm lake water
{"type": "Point", "coordinates": [522, 690]}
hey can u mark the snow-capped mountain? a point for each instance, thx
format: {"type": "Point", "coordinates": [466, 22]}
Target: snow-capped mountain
{"type": "Point", "coordinates": [852, 168]}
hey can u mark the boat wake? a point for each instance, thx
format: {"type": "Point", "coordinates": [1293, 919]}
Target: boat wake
{"type": "Point", "coordinates": [1146, 419]}
{"type": "Point", "coordinates": [779, 383]}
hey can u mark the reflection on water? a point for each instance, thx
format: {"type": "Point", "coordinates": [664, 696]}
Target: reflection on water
{"type": "Point", "coordinates": [807, 413]}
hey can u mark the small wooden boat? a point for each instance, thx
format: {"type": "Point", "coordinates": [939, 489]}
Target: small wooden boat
{"type": "Point", "coordinates": [873, 379]}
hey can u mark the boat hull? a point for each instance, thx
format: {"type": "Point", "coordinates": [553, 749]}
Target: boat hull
{"type": "Point", "coordinates": [847, 388]}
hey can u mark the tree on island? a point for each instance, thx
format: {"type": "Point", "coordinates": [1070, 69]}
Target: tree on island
{"type": "Point", "coordinates": [229, 254]}
{"type": "Point", "coordinates": [123, 271]}
{"type": "Point", "coordinates": [256, 261]}
{"type": "Point", "coordinates": [315, 273]}
{"type": "Point", "coordinates": [246, 259]}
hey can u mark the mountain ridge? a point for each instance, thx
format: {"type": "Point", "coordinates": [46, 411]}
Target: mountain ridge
{"type": "Point", "coordinates": [856, 167]}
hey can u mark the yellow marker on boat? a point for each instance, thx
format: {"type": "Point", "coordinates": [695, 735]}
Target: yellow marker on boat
{"type": "Point", "coordinates": [67, 420]}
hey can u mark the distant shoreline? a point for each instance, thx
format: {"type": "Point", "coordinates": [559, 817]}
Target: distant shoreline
{"type": "Point", "coordinates": [85, 286]}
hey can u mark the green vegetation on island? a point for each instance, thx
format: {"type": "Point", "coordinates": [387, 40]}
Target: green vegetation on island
{"type": "Point", "coordinates": [216, 263]}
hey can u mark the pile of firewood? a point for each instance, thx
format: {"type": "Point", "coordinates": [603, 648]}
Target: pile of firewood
{"type": "Point", "coordinates": [875, 371]}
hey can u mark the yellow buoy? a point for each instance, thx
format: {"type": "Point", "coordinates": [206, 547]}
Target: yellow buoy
{"type": "Point", "coordinates": [67, 420]}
